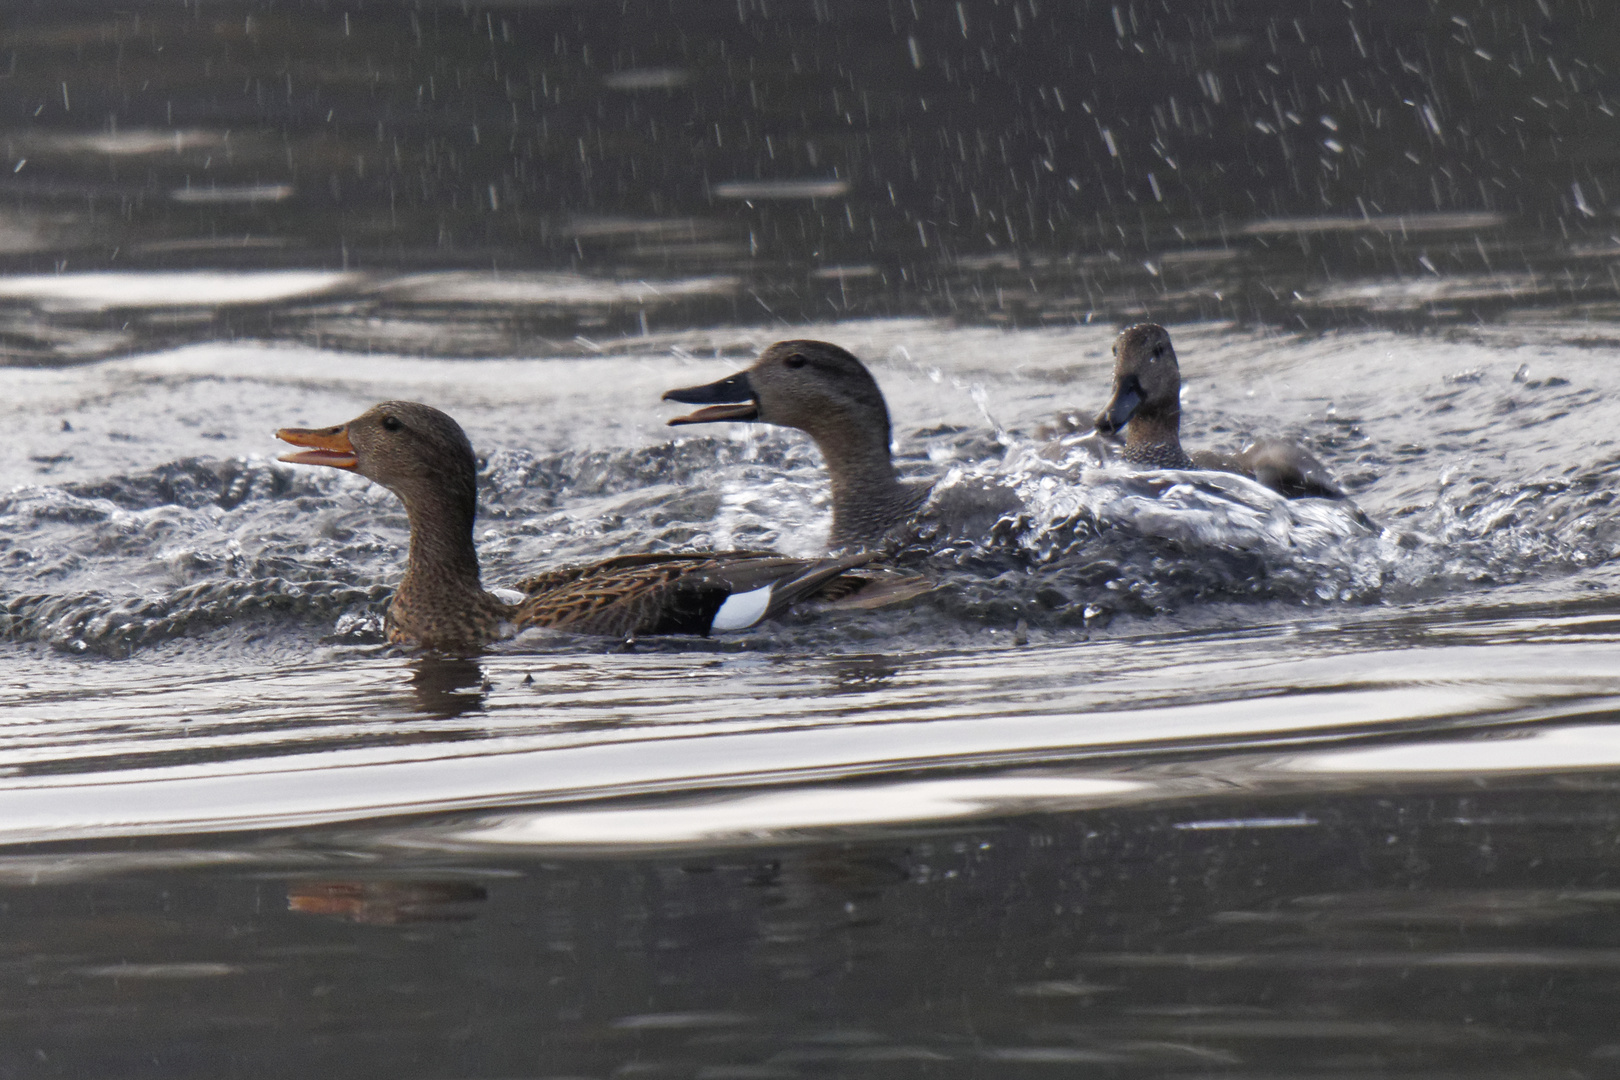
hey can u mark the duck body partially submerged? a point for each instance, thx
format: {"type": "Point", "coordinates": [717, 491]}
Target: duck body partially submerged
{"type": "Point", "coordinates": [1284, 467]}
{"type": "Point", "coordinates": [424, 457]}
{"type": "Point", "coordinates": [697, 593]}
{"type": "Point", "coordinates": [1146, 406]}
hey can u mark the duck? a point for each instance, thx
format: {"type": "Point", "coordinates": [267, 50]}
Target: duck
{"type": "Point", "coordinates": [425, 458]}
{"type": "Point", "coordinates": [1146, 405]}
{"type": "Point", "coordinates": [825, 392]}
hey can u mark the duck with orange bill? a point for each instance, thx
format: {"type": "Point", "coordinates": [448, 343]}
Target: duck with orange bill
{"type": "Point", "coordinates": [424, 457]}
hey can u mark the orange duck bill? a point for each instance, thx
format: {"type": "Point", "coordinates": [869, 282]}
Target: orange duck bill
{"type": "Point", "coordinates": [328, 446]}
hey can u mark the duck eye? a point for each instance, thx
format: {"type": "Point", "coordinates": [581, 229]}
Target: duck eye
{"type": "Point", "coordinates": [391, 423]}
{"type": "Point", "coordinates": [795, 360]}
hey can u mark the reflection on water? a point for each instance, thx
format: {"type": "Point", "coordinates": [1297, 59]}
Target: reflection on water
{"type": "Point", "coordinates": [862, 674]}
{"type": "Point", "coordinates": [446, 687]}
{"type": "Point", "coordinates": [387, 903]}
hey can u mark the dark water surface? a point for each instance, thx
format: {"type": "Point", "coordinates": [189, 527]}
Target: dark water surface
{"type": "Point", "coordinates": [994, 160]}
{"type": "Point", "coordinates": [1170, 777]}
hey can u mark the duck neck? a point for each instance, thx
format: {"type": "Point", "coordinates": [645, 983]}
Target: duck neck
{"type": "Point", "coordinates": [868, 499]}
{"type": "Point", "coordinates": [1154, 438]}
{"type": "Point", "coordinates": [442, 559]}
{"type": "Point", "coordinates": [440, 603]}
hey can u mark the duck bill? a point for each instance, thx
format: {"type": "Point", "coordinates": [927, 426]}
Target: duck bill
{"type": "Point", "coordinates": [327, 446]}
{"type": "Point", "coordinates": [729, 399]}
{"type": "Point", "coordinates": [1119, 411]}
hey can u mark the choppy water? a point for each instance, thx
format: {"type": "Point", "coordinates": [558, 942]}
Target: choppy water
{"type": "Point", "coordinates": [1170, 777]}
{"type": "Point", "coordinates": [145, 504]}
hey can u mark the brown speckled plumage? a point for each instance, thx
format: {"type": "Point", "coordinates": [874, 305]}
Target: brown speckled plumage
{"type": "Point", "coordinates": [665, 594]}
{"type": "Point", "coordinates": [1147, 403]}
{"type": "Point", "coordinates": [828, 394]}
{"type": "Point", "coordinates": [1157, 455]}
{"type": "Point", "coordinates": [423, 456]}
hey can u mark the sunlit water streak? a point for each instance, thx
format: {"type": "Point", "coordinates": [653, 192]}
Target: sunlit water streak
{"type": "Point", "coordinates": [263, 744]}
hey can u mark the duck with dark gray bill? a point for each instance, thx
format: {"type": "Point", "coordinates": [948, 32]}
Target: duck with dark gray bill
{"type": "Point", "coordinates": [829, 395]}
{"type": "Point", "coordinates": [424, 457]}
{"type": "Point", "coordinates": [1146, 404]}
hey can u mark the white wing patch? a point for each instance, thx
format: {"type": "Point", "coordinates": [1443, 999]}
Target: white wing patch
{"type": "Point", "coordinates": [742, 610]}
{"type": "Point", "coordinates": [509, 596]}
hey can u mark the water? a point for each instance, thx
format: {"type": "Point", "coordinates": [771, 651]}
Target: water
{"type": "Point", "coordinates": [1170, 776]}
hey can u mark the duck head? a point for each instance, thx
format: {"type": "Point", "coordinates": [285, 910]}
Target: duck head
{"type": "Point", "coordinates": [1147, 380]}
{"type": "Point", "coordinates": [413, 450]}
{"type": "Point", "coordinates": [811, 385]}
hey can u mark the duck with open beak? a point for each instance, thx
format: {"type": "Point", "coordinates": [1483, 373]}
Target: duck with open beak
{"type": "Point", "coordinates": [327, 446]}
{"type": "Point", "coordinates": [829, 395]}
{"type": "Point", "coordinates": [423, 456]}
{"type": "Point", "coordinates": [731, 398]}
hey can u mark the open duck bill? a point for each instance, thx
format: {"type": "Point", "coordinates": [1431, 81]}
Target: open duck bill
{"type": "Point", "coordinates": [328, 446]}
{"type": "Point", "coordinates": [1118, 412]}
{"type": "Point", "coordinates": [731, 398]}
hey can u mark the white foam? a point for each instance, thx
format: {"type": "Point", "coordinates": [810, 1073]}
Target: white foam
{"type": "Point", "coordinates": [647, 79]}
{"type": "Point", "coordinates": [98, 291]}
{"type": "Point", "coordinates": [809, 188]}
{"type": "Point", "coordinates": [463, 286]}
{"type": "Point", "coordinates": [126, 143]}
{"type": "Point", "coordinates": [234, 193]}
